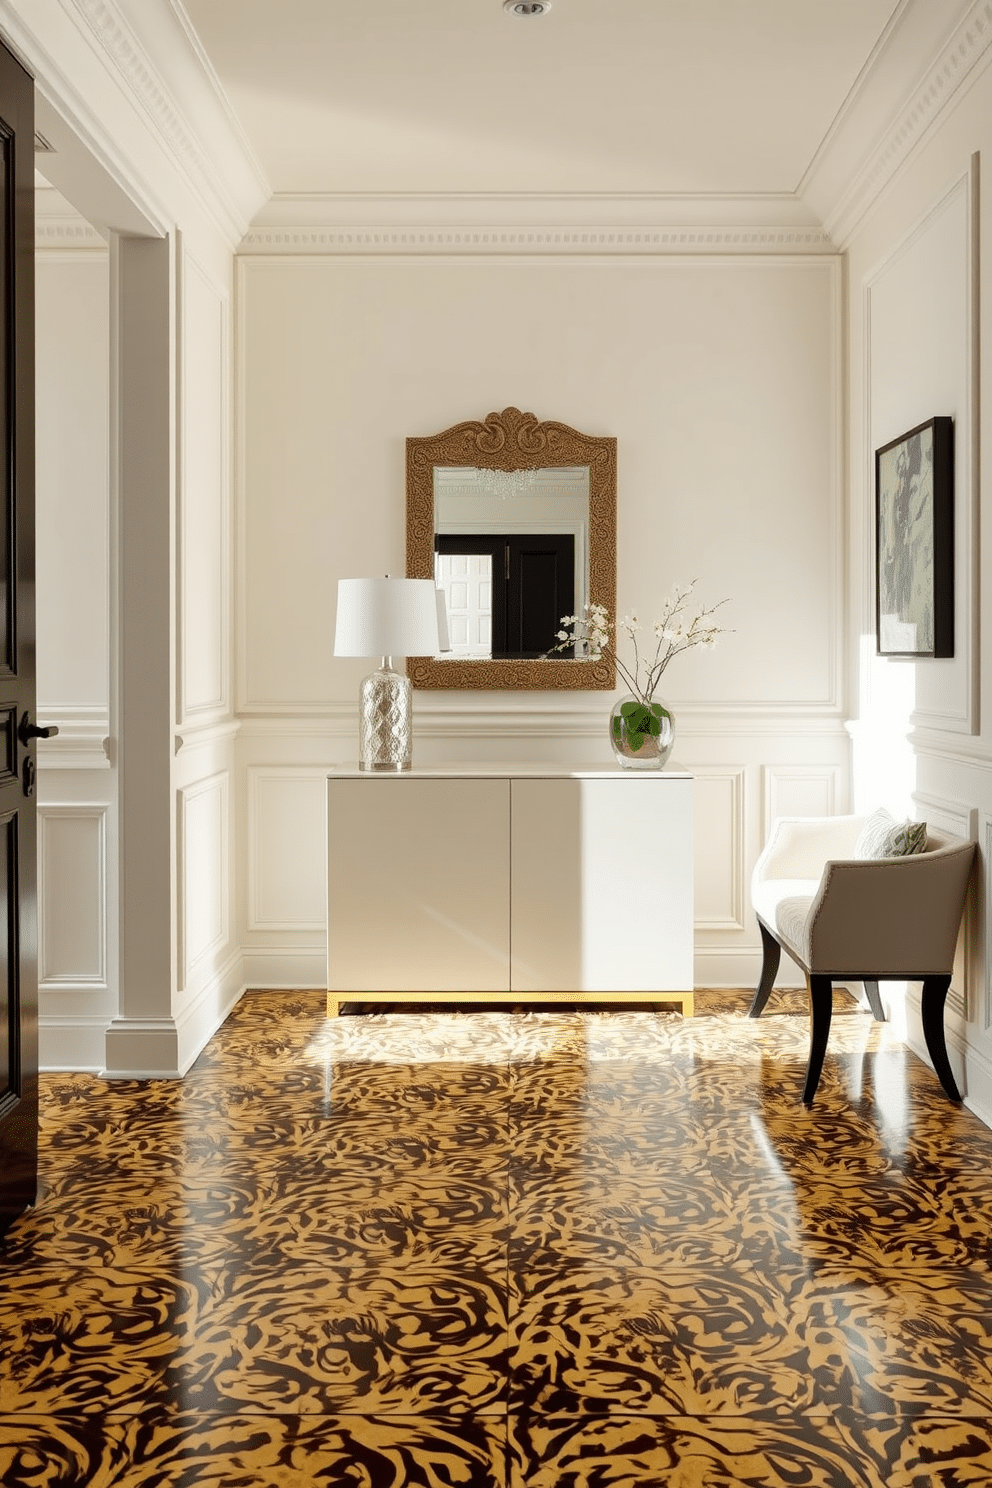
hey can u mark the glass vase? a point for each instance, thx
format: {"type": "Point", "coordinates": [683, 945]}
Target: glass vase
{"type": "Point", "coordinates": [641, 734]}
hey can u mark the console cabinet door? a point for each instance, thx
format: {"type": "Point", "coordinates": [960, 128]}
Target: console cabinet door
{"type": "Point", "coordinates": [418, 885]}
{"type": "Point", "coordinates": [602, 885]}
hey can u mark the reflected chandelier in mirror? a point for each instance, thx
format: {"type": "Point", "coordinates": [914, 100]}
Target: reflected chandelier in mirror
{"type": "Point", "coordinates": [505, 475]}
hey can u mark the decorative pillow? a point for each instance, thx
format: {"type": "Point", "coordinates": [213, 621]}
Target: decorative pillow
{"type": "Point", "coordinates": [874, 835]}
{"type": "Point", "coordinates": [906, 840]}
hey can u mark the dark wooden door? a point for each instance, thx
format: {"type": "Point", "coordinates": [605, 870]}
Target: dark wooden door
{"type": "Point", "coordinates": [540, 589]}
{"type": "Point", "coordinates": [18, 909]}
{"type": "Point", "coordinates": [533, 586]}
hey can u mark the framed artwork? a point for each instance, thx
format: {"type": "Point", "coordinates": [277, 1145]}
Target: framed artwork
{"type": "Point", "coordinates": [914, 542]}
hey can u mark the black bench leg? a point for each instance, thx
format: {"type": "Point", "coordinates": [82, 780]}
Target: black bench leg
{"type": "Point", "coordinates": [771, 954]}
{"type": "Point", "coordinates": [874, 1001]}
{"type": "Point", "coordinates": [935, 989]}
{"type": "Point", "coordinates": [821, 1001]}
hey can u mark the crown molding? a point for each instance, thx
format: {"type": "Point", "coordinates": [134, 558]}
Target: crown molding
{"type": "Point", "coordinates": [456, 223]}
{"type": "Point", "coordinates": [58, 227]}
{"type": "Point", "coordinates": [210, 151]}
{"type": "Point", "coordinates": [842, 169]}
{"type": "Point", "coordinates": [67, 235]}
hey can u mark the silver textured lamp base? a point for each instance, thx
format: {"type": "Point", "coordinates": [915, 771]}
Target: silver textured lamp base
{"type": "Point", "coordinates": [385, 720]}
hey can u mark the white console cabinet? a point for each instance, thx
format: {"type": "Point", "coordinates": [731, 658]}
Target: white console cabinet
{"type": "Point", "coordinates": [529, 883]}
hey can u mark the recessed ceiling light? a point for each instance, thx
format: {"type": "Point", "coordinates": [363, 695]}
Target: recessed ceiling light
{"type": "Point", "coordinates": [527, 7]}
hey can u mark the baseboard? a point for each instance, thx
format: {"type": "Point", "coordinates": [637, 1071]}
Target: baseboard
{"type": "Point", "coordinates": [199, 1018]}
{"type": "Point", "coordinates": [737, 968]}
{"type": "Point", "coordinates": [142, 1049]}
{"type": "Point", "coordinates": [71, 1045]}
{"type": "Point", "coordinates": [164, 1048]}
{"type": "Point", "coordinates": [304, 969]}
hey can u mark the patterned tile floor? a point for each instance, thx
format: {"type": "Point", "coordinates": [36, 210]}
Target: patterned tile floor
{"type": "Point", "coordinates": [528, 1249]}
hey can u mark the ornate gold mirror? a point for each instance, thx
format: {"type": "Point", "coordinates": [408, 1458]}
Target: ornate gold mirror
{"type": "Point", "coordinates": [516, 520]}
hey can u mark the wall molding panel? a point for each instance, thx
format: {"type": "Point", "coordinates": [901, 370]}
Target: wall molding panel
{"type": "Point", "coordinates": [718, 805]}
{"type": "Point", "coordinates": [287, 863]}
{"type": "Point", "coordinates": [203, 511]}
{"type": "Point", "coordinates": [203, 836]}
{"type": "Point", "coordinates": [954, 708]}
{"type": "Point", "coordinates": [799, 790]}
{"type": "Point", "coordinates": [72, 893]}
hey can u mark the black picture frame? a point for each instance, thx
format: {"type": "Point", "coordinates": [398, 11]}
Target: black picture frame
{"type": "Point", "coordinates": [914, 542]}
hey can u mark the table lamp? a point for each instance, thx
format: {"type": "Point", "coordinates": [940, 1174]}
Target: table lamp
{"type": "Point", "coordinates": [387, 618]}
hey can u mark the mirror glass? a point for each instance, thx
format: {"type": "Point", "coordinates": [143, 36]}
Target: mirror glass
{"type": "Point", "coordinates": [516, 520]}
{"type": "Point", "coordinates": [511, 552]}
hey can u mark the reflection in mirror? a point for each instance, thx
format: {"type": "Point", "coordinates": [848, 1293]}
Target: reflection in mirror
{"type": "Point", "coordinates": [516, 520]}
{"type": "Point", "coordinates": [511, 554]}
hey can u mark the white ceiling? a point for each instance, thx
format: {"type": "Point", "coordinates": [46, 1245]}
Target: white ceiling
{"type": "Point", "coordinates": [599, 96]}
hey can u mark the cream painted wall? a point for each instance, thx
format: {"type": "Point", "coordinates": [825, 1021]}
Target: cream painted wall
{"type": "Point", "coordinates": [73, 357]}
{"type": "Point", "coordinates": [77, 787]}
{"type": "Point", "coordinates": [917, 332]}
{"type": "Point", "coordinates": [717, 377]}
{"type": "Point", "coordinates": [720, 379]}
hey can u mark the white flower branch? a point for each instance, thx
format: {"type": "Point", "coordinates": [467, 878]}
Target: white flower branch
{"type": "Point", "coordinates": [675, 631]}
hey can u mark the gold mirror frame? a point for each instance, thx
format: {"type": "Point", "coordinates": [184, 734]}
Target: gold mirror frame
{"type": "Point", "coordinates": [512, 440]}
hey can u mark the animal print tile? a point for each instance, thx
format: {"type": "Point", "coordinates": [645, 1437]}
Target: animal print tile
{"type": "Point", "coordinates": [296, 1214]}
{"type": "Point", "coordinates": [433, 1217]}
{"type": "Point", "coordinates": [580, 1144]}
{"type": "Point", "coordinates": [255, 1134]}
{"type": "Point", "coordinates": [405, 1340]}
{"type": "Point", "coordinates": [618, 1220]}
{"type": "Point", "coordinates": [90, 1342]}
{"type": "Point", "coordinates": [903, 1340]}
{"type": "Point", "coordinates": [155, 1222]}
{"type": "Point", "coordinates": [269, 1451]}
{"type": "Point", "coordinates": [911, 1339]}
{"type": "Point", "coordinates": [439, 1087]}
{"type": "Point", "coordinates": [51, 1452]}
{"type": "Point", "coordinates": [291, 1266]}
{"type": "Point", "coordinates": [595, 1339]}
{"type": "Point", "coordinates": [885, 1220]}
{"type": "Point", "coordinates": [818, 1452]}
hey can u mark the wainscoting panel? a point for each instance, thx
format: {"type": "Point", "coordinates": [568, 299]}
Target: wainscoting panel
{"type": "Point", "coordinates": [287, 863]}
{"type": "Point", "coordinates": [204, 918]}
{"type": "Point", "coordinates": [799, 790]}
{"type": "Point", "coordinates": [719, 852]}
{"type": "Point", "coordinates": [72, 892]}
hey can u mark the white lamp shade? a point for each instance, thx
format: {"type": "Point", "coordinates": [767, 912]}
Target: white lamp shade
{"type": "Point", "coordinates": [386, 617]}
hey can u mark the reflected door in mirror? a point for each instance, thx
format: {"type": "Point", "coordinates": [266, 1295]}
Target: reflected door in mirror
{"type": "Point", "coordinates": [531, 585]}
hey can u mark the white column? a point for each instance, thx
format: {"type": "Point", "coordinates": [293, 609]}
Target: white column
{"type": "Point", "coordinates": [143, 1038]}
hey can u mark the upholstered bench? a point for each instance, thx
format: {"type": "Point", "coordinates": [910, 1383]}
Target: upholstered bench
{"type": "Point", "coordinates": [845, 917]}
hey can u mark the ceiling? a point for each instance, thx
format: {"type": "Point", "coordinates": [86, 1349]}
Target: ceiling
{"type": "Point", "coordinates": [597, 96]}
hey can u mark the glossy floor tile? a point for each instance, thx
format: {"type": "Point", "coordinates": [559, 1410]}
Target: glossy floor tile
{"type": "Point", "coordinates": [508, 1247]}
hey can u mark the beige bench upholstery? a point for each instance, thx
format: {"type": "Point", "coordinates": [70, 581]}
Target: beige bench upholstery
{"type": "Point", "coordinates": [843, 919]}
